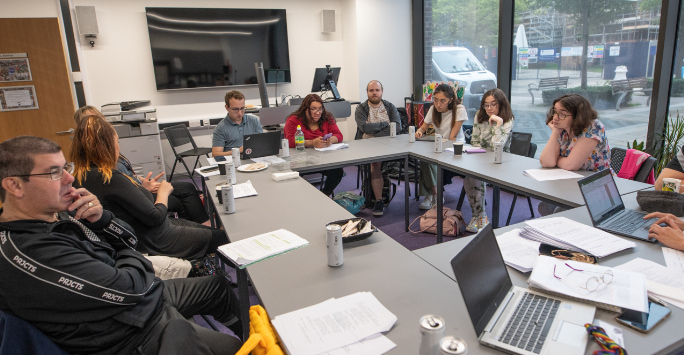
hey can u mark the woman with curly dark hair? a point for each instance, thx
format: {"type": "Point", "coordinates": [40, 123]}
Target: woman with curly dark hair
{"type": "Point", "coordinates": [578, 139]}
{"type": "Point", "coordinates": [315, 123]}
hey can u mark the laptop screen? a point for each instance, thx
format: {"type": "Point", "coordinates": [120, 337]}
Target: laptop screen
{"type": "Point", "coordinates": [601, 195]}
{"type": "Point", "coordinates": [482, 277]}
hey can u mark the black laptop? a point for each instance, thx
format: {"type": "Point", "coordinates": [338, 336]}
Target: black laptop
{"type": "Point", "coordinates": [607, 211]}
{"type": "Point", "coordinates": [260, 145]}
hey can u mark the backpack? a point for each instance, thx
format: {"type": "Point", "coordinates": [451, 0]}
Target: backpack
{"type": "Point", "coordinates": [350, 201]}
{"type": "Point", "coordinates": [403, 117]}
{"type": "Point", "coordinates": [453, 223]}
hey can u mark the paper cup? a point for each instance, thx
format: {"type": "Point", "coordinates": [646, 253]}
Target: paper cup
{"type": "Point", "coordinates": [222, 167]}
{"type": "Point", "coordinates": [458, 148]}
{"type": "Point", "coordinates": [670, 184]}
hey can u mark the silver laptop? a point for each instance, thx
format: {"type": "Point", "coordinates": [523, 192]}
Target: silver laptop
{"type": "Point", "coordinates": [607, 211]}
{"type": "Point", "coordinates": [511, 318]}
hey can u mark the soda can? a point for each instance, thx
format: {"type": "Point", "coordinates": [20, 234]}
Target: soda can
{"type": "Point", "coordinates": [451, 345]}
{"type": "Point", "coordinates": [334, 241]}
{"type": "Point", "coordinates": [231, 176]}
{"type": "Point", "coordinates": [431, 330]}
{"type": "Point", "coordinates": [235, 152]}
{"type": "Point", "coordinates": [498, 152]}
{"type": "Point", "coordinates": [393, 129]}
{"type": "Point", "coordinates": [438, 143]}
{"type": "Point", "coordinates": [228, 199]}
{"type": "Point", "coordinates": [412, 134]}
{"type": "Point", "coordinates": [285, 146]}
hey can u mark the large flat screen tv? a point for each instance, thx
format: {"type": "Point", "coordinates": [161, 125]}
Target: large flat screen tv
{"type": "Point", "coordinates": [199, 48]}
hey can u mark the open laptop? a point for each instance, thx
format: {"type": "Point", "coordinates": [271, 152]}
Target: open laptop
{"type": "Point", "coordinates": [260, 145]}
{"type": "Point", "coordinates": [607, 211]}
{"type": "Point", "coordinates": [511, 318]}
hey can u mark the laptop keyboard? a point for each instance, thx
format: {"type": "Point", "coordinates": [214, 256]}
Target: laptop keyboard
{"type": "Point", "coordinates": [530, 324]}
{"type": "Point", "coordinates": [628, 222]}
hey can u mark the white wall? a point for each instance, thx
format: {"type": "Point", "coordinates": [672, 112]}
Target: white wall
{"type": "Point", "coordinates": [29, 8]}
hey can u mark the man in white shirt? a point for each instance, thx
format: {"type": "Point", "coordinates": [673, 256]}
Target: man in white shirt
{"type": "Point", "coordinates": [373, 118]}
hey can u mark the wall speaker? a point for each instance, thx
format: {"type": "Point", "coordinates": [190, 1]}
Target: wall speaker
{"type": "Point", "coordinates": [328, 21]}
{"type": "Point", "coordinates": [86, 20]}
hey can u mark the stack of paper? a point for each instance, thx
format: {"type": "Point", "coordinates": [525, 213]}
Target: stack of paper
{"type": "Point", "coordinates": [251, 250]}
{"type": "Point", "coordinates": [551, 174]}
{"type": "Point", "coordinates": [240, 190]}
{"type": "Point", "coordinates": [335, 146]}
{"type": "Point", "coordinates": [569, 278]}
{"type": "Point", "coordinates": [568, 234]}
{"type": "Point", "coordinates": [518, 252]}
{"type": "Point", "coordinates": [663, 282]}
{"type": "Point", "coordinates": [347, 325]}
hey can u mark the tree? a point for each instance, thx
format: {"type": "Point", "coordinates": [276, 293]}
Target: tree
{"type": "Point", "coordinates": [589, 15]}
{"type": "Point", "coordinates": [468, 22]}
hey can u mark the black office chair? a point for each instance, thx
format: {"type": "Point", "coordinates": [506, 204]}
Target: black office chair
{"type": "Point", "coordinates": [617, 157]}
{"type": "Point", "coordinates": [521, 144]}
{"type": "Point", "coordinates": [179, 135]}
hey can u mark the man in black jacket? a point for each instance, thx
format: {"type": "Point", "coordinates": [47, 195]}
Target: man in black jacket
{"type": "Point", "coordinates": [69, 267]}
{"type": "Point", "coordinates": [373, 118]}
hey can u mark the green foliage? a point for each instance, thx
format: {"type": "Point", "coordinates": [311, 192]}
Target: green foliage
{"type": "Point", "coordinates": [474, 22]}
{"type": "Point", "coordinates": [668, 142]}
{"type": "Point", "coordinates": [600, 97]}
{"type": "Point", "coordinates": [637, 145]}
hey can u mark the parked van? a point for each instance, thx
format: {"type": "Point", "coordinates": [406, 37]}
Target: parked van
{"type": "Point", "coordinates": [459, 64]}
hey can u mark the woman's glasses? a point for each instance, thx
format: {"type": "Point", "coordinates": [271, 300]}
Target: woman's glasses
{"type": "Point", "coordinates": [561, 116]}
{"type": "Point", "coordinates": [492, 105]}
{"type": "Point", "coordinates": [316, 110]}
{"type": "Point", "coordinates": [592, 283]}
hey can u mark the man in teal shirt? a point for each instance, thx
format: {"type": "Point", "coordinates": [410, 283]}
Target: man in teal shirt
{"type": "Point", "coordinates": [229, 132]}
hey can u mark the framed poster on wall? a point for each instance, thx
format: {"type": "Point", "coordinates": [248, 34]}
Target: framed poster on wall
{"type": "Point", "coordinates": [14, 67]}
{"type": "Point", "coordinates": [15, 98]}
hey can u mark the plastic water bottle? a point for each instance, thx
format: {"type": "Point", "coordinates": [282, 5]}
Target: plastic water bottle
{"type": "Point", "coordinates": [299, 139]}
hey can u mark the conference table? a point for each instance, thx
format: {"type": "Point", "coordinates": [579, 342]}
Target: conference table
{"type": "Point", "coordinates": [664, 339]}
{"type": "Point", "coordinates": [407, 283]}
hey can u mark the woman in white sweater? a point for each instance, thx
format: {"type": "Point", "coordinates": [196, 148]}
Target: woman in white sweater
{"type": "Point", "coordinates": [447, 115]}
{"type": "Point", "coordinates": [493, 123]}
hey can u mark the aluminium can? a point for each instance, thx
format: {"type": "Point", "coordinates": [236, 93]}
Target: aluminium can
{"type": "Point", "coordinates": [431, 330]}
{"type": "Point", "coordinates": [412, 134]}
{"type": "Point", "coordinates": [333, 234]}
{"type": "Point", "coordinates": [285, 146]}
{"type": "Point", "coordinates": [235, 152]}
{"type": "Point", "coordinates": [498, 152]}
{"type": "Point", "coordinates": [231, 175]}
{"type": "Point", "coordinates": [228, 199]}
{"type": "Point", "coordinates": [451, 345]}
{"type": "Point", "coordinates": [438, 143]}
{"type": "Point", "coordinates": [393, 129]}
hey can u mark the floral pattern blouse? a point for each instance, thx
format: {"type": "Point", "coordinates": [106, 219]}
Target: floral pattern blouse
{"type": "Point", "coordinates": [599, 159]}
{"type": "Point", "coordinates": [484, 135]}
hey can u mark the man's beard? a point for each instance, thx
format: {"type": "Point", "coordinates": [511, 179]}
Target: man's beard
{"type": "Point", "coordinates": [374, 100]}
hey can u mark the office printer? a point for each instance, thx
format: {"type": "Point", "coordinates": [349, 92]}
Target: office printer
{"type": "Point", "coordinates": [129, 111]}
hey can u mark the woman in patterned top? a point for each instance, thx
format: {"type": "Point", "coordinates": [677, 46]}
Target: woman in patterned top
{"type": "Point", "coordinates": [578, 139]}
{"type": "Point", "coordinates": [493, 123]}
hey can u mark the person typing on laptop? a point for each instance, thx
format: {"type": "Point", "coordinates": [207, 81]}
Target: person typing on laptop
{"type": "Point", "coordinates": [667, 230]}
{"type": "Point", "coordinates": [229, 133]}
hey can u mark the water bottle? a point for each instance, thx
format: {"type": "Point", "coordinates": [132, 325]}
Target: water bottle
{"type": "Point", "coordinates": [299, 139]}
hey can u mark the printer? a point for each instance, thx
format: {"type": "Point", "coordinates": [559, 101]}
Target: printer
{"type": "Point", "coordinates": [129, 111]}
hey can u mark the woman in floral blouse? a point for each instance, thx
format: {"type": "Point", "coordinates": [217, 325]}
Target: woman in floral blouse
{"type": "Point", "coordinates": [578, 139]}
{"type": "Point", "coordinates": [493, 123]}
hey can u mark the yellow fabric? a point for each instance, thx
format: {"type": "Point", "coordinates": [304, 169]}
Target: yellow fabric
{"type": "Point", "coordinates": [262, 339]}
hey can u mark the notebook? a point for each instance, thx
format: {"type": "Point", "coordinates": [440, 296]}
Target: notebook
{"type": "Point", "coordinates": [607, 211]}
{"type": "Point", "coordinates": [261, 145]}
{"type": "Point", "coordinates": [511, 318]}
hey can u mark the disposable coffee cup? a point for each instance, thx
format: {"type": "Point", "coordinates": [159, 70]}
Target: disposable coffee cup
{"type": "Point", "coordinates": [222, 167]}
{"type": "Point", "coordinates": [670, 184]}
{"type": "Point", "coordinates": [458, 148]}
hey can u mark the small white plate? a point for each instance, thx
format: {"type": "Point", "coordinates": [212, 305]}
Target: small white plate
{"type": "Point", "coordinates": [244, 168]}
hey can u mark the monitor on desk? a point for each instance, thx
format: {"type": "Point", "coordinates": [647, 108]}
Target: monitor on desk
{"type": "Point", "coordinates": [325, 79]}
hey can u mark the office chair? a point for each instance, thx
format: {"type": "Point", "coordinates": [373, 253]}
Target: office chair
{"type": "Point", "coordinates": [179, 135]}
{"type": "Point", "coordinates": [617, 157]}
{"type": "Point", "coordinates": [521, 144]}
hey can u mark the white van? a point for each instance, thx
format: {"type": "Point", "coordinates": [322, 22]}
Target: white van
{"type": "Point", "coordinates": [459, 64]}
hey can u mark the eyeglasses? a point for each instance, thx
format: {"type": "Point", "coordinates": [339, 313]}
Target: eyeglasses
{"type": "Point", "coordinates": [55, 173]}
{"type": "Point", "coordinates": [591, 284]}
{"type": "Point", "coordinates": [314, 110]}
{"type": "Point", "coordinates": [237, 109]}
{"type": "Point", "coordinates": [441, 102]}
{"type": "Point", "coordinates": [561, 116]}
{"type": "Point", "coordinates": [492, 105]}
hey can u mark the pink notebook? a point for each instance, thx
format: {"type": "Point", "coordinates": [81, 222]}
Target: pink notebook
{"type": "Point", "coordinates": [475, 150]}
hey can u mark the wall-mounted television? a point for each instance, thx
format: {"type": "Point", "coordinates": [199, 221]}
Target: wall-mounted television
{"type": "Point", "coordinates": [200, 48]}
